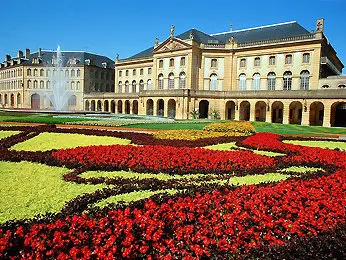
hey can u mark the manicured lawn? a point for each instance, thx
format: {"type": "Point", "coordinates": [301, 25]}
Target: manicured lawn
{"type": "Point", "coordinates": [49, 141]}
{"type": "Point", "coordinates": [322, 144]}
{"type": "Point", "coordinates": [4, 134]}
{"type": "Point", "coordinates": [28, 189]}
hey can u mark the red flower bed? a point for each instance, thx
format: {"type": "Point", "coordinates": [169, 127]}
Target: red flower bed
{"type": "Point", "coordinates": [163, 159]}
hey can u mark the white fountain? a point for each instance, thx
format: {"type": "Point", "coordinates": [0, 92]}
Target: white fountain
{"type": "Point", "coordinates": [59, 93]}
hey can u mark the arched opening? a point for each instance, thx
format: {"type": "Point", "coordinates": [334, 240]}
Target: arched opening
{"type": "Point", "coordinates": [127, 106]}
{"type": "Point", "coordinates": [92, 105]}
{"type": "Point", "coordinates": [106, 106]}
{"type": "Point", "coordinates": [277, 112]}
{"type": "Point", "coordinates": [296, 111]}
{"type": "Point", "coordinates": [99, 105]}
{"type": "Point", "coordinates": [87, 105]}
{"type": "Point", "coordinates": [260, 111]}
{"type": "Point", "coordinates": [316, 113]}
{"type": "Point", "coordinates": [338, 114]}
{"type": "Point", "coordinates": [6, 100]}
{"type": "Point", "coordinates": [120, 106]}
{"type": "Point", "coordinates": [203, 108]}
{"type": "Point", "coordinates": [244, 113]}
{"type": "Point", "coordinates": [135, 107]}
{"type": "Point", "coordinates": [12, 100]}
{"type": "Point", "coordinates": [35, 101]}
{"type": "Point", "coordinates": [150, 107]}
{"type": "Point", "coordinates": [160, 107]}
{"type": "Point", "coordinates": [230, 110]}
{"type": "Point", "coordinates": [171, 108]}
{"type": "Point", "coordinates": [113, 106]}
{"type": "Point", "coordinates": [19, 99]}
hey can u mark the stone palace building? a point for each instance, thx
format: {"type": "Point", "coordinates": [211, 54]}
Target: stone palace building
{"type": "Point", "coordinates": [277, 73]}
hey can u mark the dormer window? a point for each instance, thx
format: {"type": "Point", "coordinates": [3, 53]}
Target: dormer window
{"type": "Point", "coordinates": [73, 61]}
{"type": "Point", "coordinates": [87, 62]}
{"type": "Point", "coordinates": [104, 65]}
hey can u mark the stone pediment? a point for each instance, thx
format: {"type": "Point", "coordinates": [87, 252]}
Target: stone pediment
{"type": "Point", "coordinates": [171, 45]}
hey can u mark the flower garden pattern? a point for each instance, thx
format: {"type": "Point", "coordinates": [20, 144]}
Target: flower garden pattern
{"type": "Point", "coordinates": [299, 217]}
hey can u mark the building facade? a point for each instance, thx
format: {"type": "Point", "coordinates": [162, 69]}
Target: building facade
{"type": "Point", "coordinates": [278, 73]}
{"type": "Point", "coordinates": [27, 81]}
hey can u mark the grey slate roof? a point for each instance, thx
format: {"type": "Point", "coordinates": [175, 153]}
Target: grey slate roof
{"type": "Point", "coordinates": [275, 31]}
{"type": "Point", "coordinates": [80, 56]}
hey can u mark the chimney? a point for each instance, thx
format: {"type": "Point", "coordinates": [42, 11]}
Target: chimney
{"type": "Point", "coordinates": [27, 53]}
{"type": "Point", "coordinates": [7, 57]}
{"type": "Point", "coordinates": [39, 52]}
{"type": "Point", "coordinates": [20, 55]}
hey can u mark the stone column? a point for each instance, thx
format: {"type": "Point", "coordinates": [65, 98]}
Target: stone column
{"type": "Point", "coordinates": [326, 115]}
{"type": "Point", "coordinates": [286, 113]}
{"type": "Point", "coordinates": [236, 114]}
{"type": "Point", "coordinates": [268, 114]}
{"type": "Point", "coordinates": [252, 111]}
{"type": "Point", "coordinates": [154, 107]}
{"type": "Point", "coordinates": [306, 116]}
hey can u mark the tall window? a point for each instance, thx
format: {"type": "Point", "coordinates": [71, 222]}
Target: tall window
{"type": "Point", "coordinates": [213, 82]}
{"type": "Point", "coordinates": [78, 73]}
{"type": "Point", "coordinates": [287, 80]}
{"type": "Point", "coordinates": [160, 64]}
{"type": "Point", "coordinates": [304, 80]}
{"type": "Point", "coordinates": [48, 84]}
{"type": "Point", "coordinates": [306, 57]}
{"type": "Point", "coordinates": [72, 101]}
{"type": "Point", "coordinates": [150, 85]}
{"type": "Point", "coordinates": [271, 80]}
{"type": "Point", "coordinates": [182, 61]}
{"type": "Point", "coordinates": [120, 87]}
{"type": "Point", "coordinates": [35, 83]}
{"type": "Point", "coordinates": [242, 82]}
{"type": "Point", "coordinates": [66, 73]}
{"type": "Point", "coordinates": [171, 81]}
{"type": "Point", "coordinates": [134, 72]}
{"type": "Point", "coordinates": [141, 85]}
{"type": "Point", "coordinates": [141, 72]}
{"type": "Point", "coordinates": [41, 84]}
{"type": "Point", "coordinates": [257, 61]}
{"type": "Point", "coordinates": [78, 85]}
{"type": "Point", "coordinates": [242, 63]}
{"type": "Point", "coordinates": [41, 73]}
{"type": "Point", "coordinates": [120, 73]}
{"type": "Point", "coordinates": [160, 81]}
{"type": "Point", "coordinates": [288, 59]}
{"type": "Point", "coordinates": [133, 86]}
{"type": "Point", "coordinates": [214, 63]}
{"type": "Point", "coordinates": [272, 60]}
{"type": "Point", "coordinates": [72, 84]}
{"type": "Point", "coordinates": [182, 80]}
{"type": "Point", "coordinates": [149, 71]}
{"type": "Point", "coordinates": [171, 62]}
{"type": "Point", "coordinates": [127, 87]}
{"type": "Point", "coordinates": [73, 73]}
{"type": "Point", "coordinates": [28, 72]}
{"type": "Point", "coordinates": [256, 81]}
{"type": "Point", "coordinates": [127, 73]}
{"type": "Point", "coordinates": [35, 72]}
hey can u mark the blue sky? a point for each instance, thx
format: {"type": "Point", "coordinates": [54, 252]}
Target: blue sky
{"type": "Point", "coordinates": [109, 27]}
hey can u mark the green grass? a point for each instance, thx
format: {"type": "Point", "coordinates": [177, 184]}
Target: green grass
{"type": "Point", "coordinates": [4, 134]}
{"type": "Point", "coordinates": [256, 179]}
{"type": "Point", "coordinates": [298, 129]}
{"type": "Point", "coordinates": [322, 144]}
{"type": "Point", "coordinates": [49, 141]}
{"type": "Point", "coordinates": [28, 189]}
{"type": "Point", "coordinates": [301, 169]}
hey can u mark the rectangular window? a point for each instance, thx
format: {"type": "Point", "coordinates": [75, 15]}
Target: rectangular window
{"type": "Point", "coordinates": [141, 72]}
{"type": "Point", "coordinates": [160, 63]}
{"type": "Point", "coordinates": [134, 73]}
{"type": "Point", "coordinates": [182, 61]}
{"type": "Point", "coordinates": [306, 57]}
{"type": "Point", "coordinates": [257, 61]}
{"type": "Point", "coordinates": [242, 63]}
{"type": "Point", "coordinates": [288, 59]}
{"type": "Point", "coordinates": [149, 71]}
{"type": "Point", "coordinates": [272, 60]}
{"type": "Point", "coordinates": [126, 73]}
{"type": "Point", "coordinates": [214, 63]}
{"type": "Point", "coordinates": [120, 73]}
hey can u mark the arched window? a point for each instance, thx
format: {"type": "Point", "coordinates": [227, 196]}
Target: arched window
{"type": "Point", "coordinates": [182, 61]}
{"type": "Point", "coordinates": [127, 87]}
{"type": "Point", "coordinates": [213, 82]}
{"type": "Point", "coordinates": [141, 85]}
{"type": "Point", "coordinates": [257, 61]}
{"type": "Point", "coordinates": [19, 99]}
{"type": "Point", "coordinates": [271, 80]}
{"type": "Point", "coordinates": [35, 83]}
{"type": "Point", "coordinates": [73, 73]}
{"type": "Point", "coordinates": [214, 63]}
{"type": "Point", "coordinates": [160, 81]}
{"type": "Point", "coordinates": [48, 84]}
{"type": "Point", "coordinates": [78, 73]}
{"type": "Point", "coordinates": [171, 81]}
{"type": "Point", "coordinates": [120, 87]}
{"type": "Point", "coordinates": [242, 82]}
{"type": "Point", "coordinates": [256, 81]}
{"type": "Point", "coordinates": [134, 72]}
{"type": "Point", "coordinates": [78, 85]}
{"type": "Point", "coordinates": [182, 80]}
{"type": "Point", "coordinates": [127, 73]}
{"type": "Point", "coordinates": [35, 72]}
{"type": "Point", "coordinates": [242, 63]}
{"type": "Point", "coordinates": [171, 62]}
{"type": "Point", "coordinates": [28, 72]}
{"type": "Point", "coordinates": [287, 80]}
{"type": "Point", "coordinates": [72, 85]}
{"type": "Point", "coordinates": [304, 80]}
{"type": "Point", "coordinates": [41, 72]}
{"type": "Point", "coordinates": [47, 73]}
{"type": "Point", "coordinates": [133, 86]}
{"type": "Point", "coordinates": [41, 84]}
{"type": "Point", "coordinates": [66, 73]}
{"type": "Point", "coordinates": [150, 85]}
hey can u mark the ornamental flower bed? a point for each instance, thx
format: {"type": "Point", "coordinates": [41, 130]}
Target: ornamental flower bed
{"type": "Point", "coordinates": [301, 217]}
{"type": "Point", "coordinates": [189, 135]}
{"type": "Point", "coordinates": [231, 128]}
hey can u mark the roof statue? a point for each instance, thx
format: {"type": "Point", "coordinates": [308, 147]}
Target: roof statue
{"type": "Point", "coordinates": [156, 42]}
{"type": "Point", "coordinates": [172, 31]}
{"type": "Point", "coordinates": [191, 35]}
